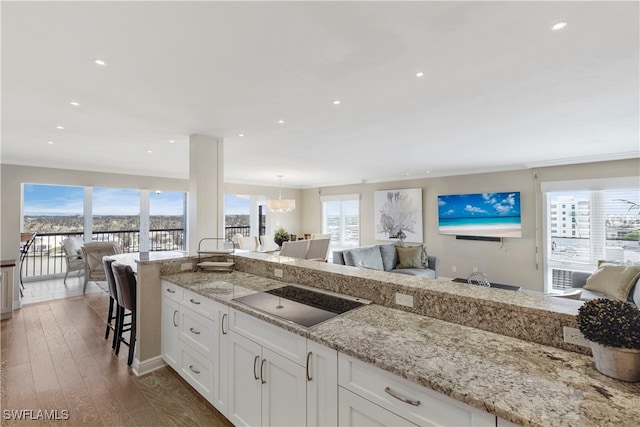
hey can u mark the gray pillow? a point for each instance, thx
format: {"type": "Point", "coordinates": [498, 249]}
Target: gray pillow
{"type": "Point", "coordinates": [389, 256]}
{"type": "Point", "coordinates": [370, 257]}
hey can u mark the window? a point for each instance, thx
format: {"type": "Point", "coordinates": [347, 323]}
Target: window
{"type": "Point", "coordinates": [341, 220]}
{"type": "Point", "coordinates": [117, 209]}
{"type": "Point", "coordinates": [166, 220]}
{"type": "Point", "coordinates": [602, 223]}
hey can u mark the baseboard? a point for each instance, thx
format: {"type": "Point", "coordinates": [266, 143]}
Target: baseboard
{"type": "Point", "coordinates": [147, 366]}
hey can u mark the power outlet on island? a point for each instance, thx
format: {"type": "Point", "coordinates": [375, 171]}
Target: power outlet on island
{"type": "Point", "coordinates": [404, 299]}
{"type": "Point", "coordinates": [186, 266]}
{"type": "Point", "coordinates": [277, 272]}
{"type": "Point", "coordinates": [574, 336]}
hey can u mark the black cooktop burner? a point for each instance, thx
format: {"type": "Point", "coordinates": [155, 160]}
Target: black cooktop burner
{"type": "Point", "coordinates": [299, 305]}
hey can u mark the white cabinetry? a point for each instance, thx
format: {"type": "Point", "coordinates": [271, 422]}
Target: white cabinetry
{"type": "Point", "coordinates": [407, 400]}
{"type": "Point", "coordinates": [195, 341]}
{"type": "Point", "coordinates": [356, 411]}
{"type": "Point", "coordinates": [268, 383]}
{"type": "Point", "coordinates": [322, 385]}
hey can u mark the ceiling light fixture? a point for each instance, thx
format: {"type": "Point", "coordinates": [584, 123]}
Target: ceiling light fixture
{"type": "Point", "coordinates": [149, 151]}
{"type": "Point", "coordinates": [419, 74]}
{"type": "Point", "coordinates": [280, 204]}
{"type": "Point", "coordinates": [336, 102]}
{"type": "Point", "coordinates": [50, 142]}
{"type": "Point", "coordinates": [241, 135]}
{"type": "Point", "coordinates": [60, 127]}
{"type": "Point", "coordinates": [558, 26]}
{"type": "Point", "coordinates": [74, 103]}
{"type": "Point", "coordinates": [171, 141]}
{"type": "Point", "coordinates": [99, 62]}
{"type": "Point", "coordinates": [281, 121]}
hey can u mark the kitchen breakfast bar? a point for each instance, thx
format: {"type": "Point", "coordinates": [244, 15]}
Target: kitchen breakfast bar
{"type": "Point", "coordinates": [486, 356]}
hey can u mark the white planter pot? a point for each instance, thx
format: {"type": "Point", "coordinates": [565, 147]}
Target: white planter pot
{"type": "Point", "coordinates": [615, 362]}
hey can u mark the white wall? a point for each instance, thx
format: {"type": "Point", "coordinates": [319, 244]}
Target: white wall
{"type": "Point", "coordinates": [516, 261]}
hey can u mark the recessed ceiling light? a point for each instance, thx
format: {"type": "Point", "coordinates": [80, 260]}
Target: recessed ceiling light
{"type": "Point", "coordinates": [281, 121]}
{"type": "Point", "coordinates": [241, 135]}
{"type": "Point", "coordinates": [171, 141]}
{"type": "Point", "coordinates": [428, 171]}
{"type": "Point", "coordinates": [419, 74]}
{"type": "Point", "coordinates": [336, 102]}
{"type": "Point", "coordinates": [74, 103]}
{"type": "Point", "coordinates": [50, 142]}
{"type": "Point", "coordinates": [149, 151]}
{"type": "Point", "coordinates": [60, 127]}
{"type": "Point", "coordinates": [558, 26]}
{"type": "Point", "coordinates": [407, 173]}
{"type": "Point", "coordinates": [99, 62]}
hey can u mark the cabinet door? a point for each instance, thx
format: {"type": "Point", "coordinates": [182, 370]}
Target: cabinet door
{"type": "Point", "coordinates": [245, 357]}
{"type": "Point", "coordinates": [322, 385]}
{"type": "Point", "coordinates": [284, 391]}
{"type": "Point", "coordinates": [221, 359]}
{"type": "Point", "coordinates": [356, 411]}
{"type": "Point", "coordinates": [171, 333]}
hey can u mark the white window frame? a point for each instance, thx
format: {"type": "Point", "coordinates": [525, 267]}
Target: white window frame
{"type": "Point", "coordinates": [339, 198]}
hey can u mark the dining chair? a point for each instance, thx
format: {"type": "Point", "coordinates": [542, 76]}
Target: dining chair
{"type": "Point", "coordinates": [320, 236]}
{"type": "Point", "coordinates": [72, 249]}
{"type": "Point", "coordinates": [92, 252]}
{"type": "Point", "coordinates": [126, 288]}
{"type": "Point", "coordinates": [318, 249]}
{"type": "Point", "coordinates": [246, 242]}
{"type": "Point", "coordinates": [297, 249]}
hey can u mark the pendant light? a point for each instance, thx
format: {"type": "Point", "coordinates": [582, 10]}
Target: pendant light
{"type": "Point", "coordinates": [280, 204]}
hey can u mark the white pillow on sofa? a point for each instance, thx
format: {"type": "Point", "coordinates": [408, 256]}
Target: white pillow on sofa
{"type": "Point", "coordinates": [614, 281]}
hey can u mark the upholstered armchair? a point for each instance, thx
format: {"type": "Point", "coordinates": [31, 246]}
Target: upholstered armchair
{"type": "Point", "coordinates": [72, 249]}
{"type": "Point", "coordinates": [93, 252]}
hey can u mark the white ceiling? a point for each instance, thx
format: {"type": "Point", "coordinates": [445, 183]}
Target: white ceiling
{"type": "Point", "coordinates": [500, 90]}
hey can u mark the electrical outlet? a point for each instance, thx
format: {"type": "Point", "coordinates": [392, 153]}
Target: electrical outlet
{"type": "Point", "coordinates": [404, 299]}
{"type": "Point", "coordinates": [186, 266]}
{"type": "Point", "coordinates": [574, 336]}
{"type": "Point", "coordinates": [277, 272]}
{"type": "Point", "coordinates": [454, 269]}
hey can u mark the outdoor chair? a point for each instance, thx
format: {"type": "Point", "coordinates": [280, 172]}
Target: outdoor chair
{"type": "Point", "coordinates": [92, 252]}
{"type": "Point", "coordinates": [72, 248]}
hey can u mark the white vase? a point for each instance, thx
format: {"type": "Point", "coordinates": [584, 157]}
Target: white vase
{"type": "Point", "coordinates": [616, 362]}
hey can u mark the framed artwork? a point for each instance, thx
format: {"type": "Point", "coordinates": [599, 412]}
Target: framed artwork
{"type": "Point", "coordinates": [398, 215]}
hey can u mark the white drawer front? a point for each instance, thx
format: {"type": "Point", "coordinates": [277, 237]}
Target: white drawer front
{"type": "Point", "coordinates": [291, 346]}
{"type": "Point", "coordinates": [197, 330]}
{"type": "Point", "coordinates": [415, 403]}
{"type": "Point", "coordinates": [172, 291]}
{"type": "Point", "coordinates": [197, 303]}
{"type": "Point", "coordinates": [197, 371]}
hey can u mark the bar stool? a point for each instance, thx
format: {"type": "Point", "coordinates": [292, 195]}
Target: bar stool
{"type": "Point", "coordinates": [112, 315]}
{"type": "Point", "coordinates": [126, 286]}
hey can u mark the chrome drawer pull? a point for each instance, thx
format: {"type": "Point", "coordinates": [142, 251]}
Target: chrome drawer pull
{"type": "Point", "coordinates": [194, 301]}
{"type": "Point", "coordinates": [195, 371]}
{"type": "Point", "coordinates": [193, 331]}
{"type": "Point", "coordinates": [309, 366]}
{"type": "Point", "coordinates": [224, 316]}
{"type": "Point", "coordinates": [171, 291]}
{"type": "Point", "coordinates": [255, 363]}
{"type": "Point", "coordinates": [401, 398]}
{"type": "Point", "coordinates": [262, 380]}
{"type": "Point", "coordinates": [174, 317]}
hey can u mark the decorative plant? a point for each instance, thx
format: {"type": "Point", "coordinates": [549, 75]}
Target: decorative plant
{"type": "Point", "coordinates": [610, 323]}
{"type": "Point", "coordinates": [281, 236]}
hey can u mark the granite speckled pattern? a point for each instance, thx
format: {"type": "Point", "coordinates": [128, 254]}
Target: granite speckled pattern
{"type": "Point", "coordinates": [521, 315]}
{"type": "Point", "coordinates": [523, 382]}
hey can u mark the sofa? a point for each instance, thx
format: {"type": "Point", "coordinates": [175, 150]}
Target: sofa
{"type": "Point", "coordinates": [389, 257]}
{"type": "Point", "coordinates": [600, 284]}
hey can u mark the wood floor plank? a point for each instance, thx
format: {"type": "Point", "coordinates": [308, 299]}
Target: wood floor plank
{"type": "Point", "coordinates": [56, 358]}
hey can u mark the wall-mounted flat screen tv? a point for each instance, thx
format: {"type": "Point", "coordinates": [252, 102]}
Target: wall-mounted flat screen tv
{"type": "Point", "coordinates": [481, 215]}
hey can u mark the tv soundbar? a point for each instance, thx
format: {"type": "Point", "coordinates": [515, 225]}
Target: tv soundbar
{"type": "Point", "coordinates": [482, 238]}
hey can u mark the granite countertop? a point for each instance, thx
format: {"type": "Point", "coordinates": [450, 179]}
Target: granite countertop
{"type": "Point", "coordinates": [523, 382]}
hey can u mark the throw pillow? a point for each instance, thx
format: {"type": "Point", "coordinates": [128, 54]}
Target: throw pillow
{"type": "Point", "coordinates": [369, 256]}
{"type": "Point", "coordinates": [410, 257]}
{"type": "Point", "coordinates": [614, 281]}
{"type": "Point", "coordinates": [389, 256]}
{"type": "Point", "coordinates": [425, 257]}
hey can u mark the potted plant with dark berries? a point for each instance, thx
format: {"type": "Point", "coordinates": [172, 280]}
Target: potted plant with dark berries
{"type": "Point", "coordinates": [613, 329]}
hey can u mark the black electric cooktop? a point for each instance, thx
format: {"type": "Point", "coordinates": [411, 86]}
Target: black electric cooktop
{"type": "Point", "coordinates": [300, 305]}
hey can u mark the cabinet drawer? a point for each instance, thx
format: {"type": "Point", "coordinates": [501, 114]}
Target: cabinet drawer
{"type": "Point", "coordinates": [291, 346]}
{"type": "Point", "coordinates": [356, 412]}
{"type": "Point", "coordinates": [417, 404]}
{"type": "Point", "coordinates": [198, 303]}
{"type": "Point", "coordinates": [197, 371]}
{"type": "Point", "coordinates": [197, 330]}
{"type": "Point", "coordinates": [172, 291]}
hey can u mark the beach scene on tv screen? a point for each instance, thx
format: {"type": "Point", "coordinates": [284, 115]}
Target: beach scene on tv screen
{"type": "Point", "coordinates": [482, 215]}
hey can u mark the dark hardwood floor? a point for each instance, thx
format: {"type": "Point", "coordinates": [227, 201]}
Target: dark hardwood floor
{"type": "Point", "coordinates": [54, 358]}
